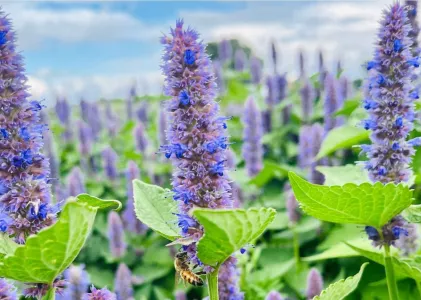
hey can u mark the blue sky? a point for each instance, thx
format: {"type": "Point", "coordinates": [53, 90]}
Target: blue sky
{"type": "Point", "coordinates": [98, 49]}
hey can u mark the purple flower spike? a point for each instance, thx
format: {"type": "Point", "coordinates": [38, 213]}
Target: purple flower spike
{"type": "Point", "coordinates": [274, 56]}
{"type": "Point", "coordinates": [322, 71]}
{"type": "Point", "coordinates": [52, 159]}
{"type": "Point", "coordinates": [317, 133]}
{"type": "Point", "coordinates": [252, 136]}
{"type": "Point", "coordinates": [25, 194]}
{"type": "Point", "coordinates": [85, 139]}
{"type": "Point", "coordinates": [240, 60]}
{"type": "Point", "coordinates": [314, 284]}
{"type": "Point", "coordinates": [307, 101]}
{"type": "Point", "coordinates": [274, 295]}
{"type": "Point", "coordinates": [292, 207]}
{"type": "Point", "coordinates": [102, 294]}
{"type": "Point", "coordinates": [219, 77]}
{"type": "Point", "coordinates": [77, 280]}
{"type": "Point", "coordinates": [123, 283]}
{"type": "Point", "coordinates": [228, 280]}
{"type": "Point", "coordinates": [76, 182]}
{"type": "Point", "coordinates": [131, 223]}
{"type": "Point", "coordinates": [129, 102]}
{"type": "Point", "coordinates": [225, 51]}
{"type": "Point", "coordinates": [64, 112]}
{"type": "Point", "coordinates": [116, 235]}
{"type": "Point", "coordinates": [140, 138]}
{"type": "Point", "coordinates": [388, 100]}
{"type": "Point", "coordinates": [301, 64]}
{"type": "Point", "coordinates": [305, 146]}
{"type": "Point", "coordinates": [408, 243]}
{"type": "Point", "coordinates": [7, 290]}
{"type": "Point", "coordinates": [256, 70]}
{"type": "Point", "coordinates": [110, 157]}
{"type": "Point", "coordinates": [142, 113]}
{"type": "Point", "coordinates": [196, 133]}
{"type": "Point", "coordinates": [162, 125]}
{"type": "Point", "coordinates": [331, 103]}
{"type": "Point", "coordinates": [415, 29]}
{"type": "Point", "coordinates": [94, 120]}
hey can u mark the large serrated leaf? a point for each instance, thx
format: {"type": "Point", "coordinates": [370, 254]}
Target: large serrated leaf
{"type": "Point", "coordinates": [52, 250]}
{"type": "Point", "coordinates": [340, 175]}
{"type": "Point", "coordinates": [155, 207]}
{"type": "Point", "coordinates": [342, 138]}
{"type": "Point", "coordinates": [228, 230]}
{"type": "Point", "coordinates": [339, 290]}
{"type": "Point", "coordinates": [403, 268]}
{"type": "Point", "coordinates": [365, 204]}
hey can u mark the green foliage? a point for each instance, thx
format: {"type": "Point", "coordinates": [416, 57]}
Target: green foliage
{"type": "Point", "coordinates": [342, 137]}
{"type": "Point", "coordinates": [340, 175]}
{"type": "Point", "coordinates": [365, 204]}
{"type": "Point", "coordinates": [47, 254]}
{"type": "Point", "coordinates": [339, 290]}
{"type": "Point", "coordinates": [156, 208]}
{"type": "Point", "coordinates": [413, 214]}
{"type": "Point", "coordinates": [349, 106]}
{"type": "Point", "coordinates": [403, 267]}
{"type": "Point", "coordinates": [227, 231]}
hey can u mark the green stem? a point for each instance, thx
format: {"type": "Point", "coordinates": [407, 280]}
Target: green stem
{"type": "Point", "coordinates": [390, 274]}
{"type": "Point", "coordinates": [213, 284]}
{"type": "Point", "coordinates": [418, 287]}
{"type": "Point", "coordinates": [296, 244]}
{"type": "Point", "coordinates": [51, 294]}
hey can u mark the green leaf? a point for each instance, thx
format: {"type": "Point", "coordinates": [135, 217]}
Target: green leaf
{"type": "Point", "coordinates": [337, 251]}
{"type": "Point", "coordinates": [349, 106]}
{"type": "Point", "coordinates": [48, 253]}
{"type": "Point", "coordinates": [413, 214]}
{"type": "Point", "coordinates": [365, 204]}
{"type": "Point", "coordinates": [155, 207]}
{"type": "Point", "coordinates": [406, 268]}
{"type": "Point", "coordinates": [341, 175]}
{"type": "Point", "coordinates": [227, 231]}
{"type": "Point", "coordinates": [272, 170]}
{"type": "Point", "coordinates": [339, 290]}
{"type": "Point", "coordinates": [7, 245]}
{"type": "Point", "coordinates": [342, 138]}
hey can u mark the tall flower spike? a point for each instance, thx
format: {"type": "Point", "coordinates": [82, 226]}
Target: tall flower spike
{"type": "Point", "coordinates": [142, 112]}
{"type": "Point", "coordinates": [76, 182]}
{"type": "Point", "coordinates": [331, 102]}
{"type": "Point", "coordinates": [291, 206]}
{"type": "Point", "coordinates": [77, 283]}
{"type": "Point", "coordinates": [94, 120]}
{"type": "Point", "coordinates": [110, 157]}
{"type": "Point", "coordinates": [196, 133]}
{"type": "Point", "coordinates": [162, 125]}
{"type": "Point", "coordinates": [129, 102]}
{"type": "Point", "coordinates": [225, 50]}
{"type": "Point", "coordinates": [131, 223]}
{"type": "Point", "coordinates": [240, 60]}
{"type": "Point", "coordinates": [116, 235]}
{"type": "Point", "coordinates": [314, 284]}
{"type": "Point", "coordinates": [301, 64]}
{"type": "Point", "coordinates": [317, 133]}
{"type": "Point", "coordinates": [24, 172]}
{"type": "Point", "coordinates": [307, 103]}
{"type": "Point", "coordinates": [322, 71]}
{"type": "Point", "coordinates": [52, 159]}
{"type": "Point", "coordinates": [256, 70]}
{"type": "Point", "coordinates": [140, 138]}
{"type": "Point", "coordinates": [305, 146]}
{"type": "Point", "coordinates": [252, 137]}
{"type": "Point", "coordinates": [274, 56]}
{"type": "Point", "coordinates": [112, 120]}
{"type": "Point", "coordinates": [274, 295]}
{"type": "Point", "coordinates": [415, 29]}
{"type": "Point", "coordinates": [84, 109]}
{"type": "Point", "coordinates": [102, 294]}
{"type": "Point", "coordinates": [228, 280]}
{"type": "Point", "coordinates": [389, 100]}
{"type": "Point", "coordinates": [123, 283]}
{"type": "Point", "coordinates": [63, 112]}
{"type": "Point", "coordinates": [7, 290]}
{"type": "Point", "coordinates": [85, 139]}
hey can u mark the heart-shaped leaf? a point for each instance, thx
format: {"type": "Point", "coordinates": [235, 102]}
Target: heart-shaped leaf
{"type": "Point", "coordinates": [155, 207]}
{"type": "Point", "coordinates": [228, 230]}
{"type": "Point", "coordinates": [339, 290]}
{"type": "Point", "coordinates": [48, 253]}
{"type": "Point", "coordinates": [365, 204]}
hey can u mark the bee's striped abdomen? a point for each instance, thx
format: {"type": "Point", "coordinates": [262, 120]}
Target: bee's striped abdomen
{"type": "Point", "coordinates": [191, 278]}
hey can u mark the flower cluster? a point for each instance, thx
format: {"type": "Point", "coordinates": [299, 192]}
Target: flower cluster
{"type": "Point", "coordinates": [196, 134]}
{"type": "Point", "coordinates": [7, 290]}
{"type": "Point", "coordinates": [77, 280]}
{"type": "Point", "coordinates": [102, 294]}
{"type": "Point", "coordinates": [314, 283]}
{"type": "Point", "coordinates": [123, 283]}
{"type": "Point", "coordinates": [116, 240]}
{"type": "Point", "coordinates": [24, 172]}
{"type": "Point", "coordinates": [389, 100]}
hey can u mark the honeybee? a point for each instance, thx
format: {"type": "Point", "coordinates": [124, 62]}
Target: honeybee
{"type": "Point", "coordinates": [182, 267]}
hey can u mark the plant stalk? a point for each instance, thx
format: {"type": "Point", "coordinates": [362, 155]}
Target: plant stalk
{"type": "Point", "coordinates": [213, 284]}
{"type": "Point", "coordinates": [390, 274]}
{"type": "Point", "coordinates": [296, 244]}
